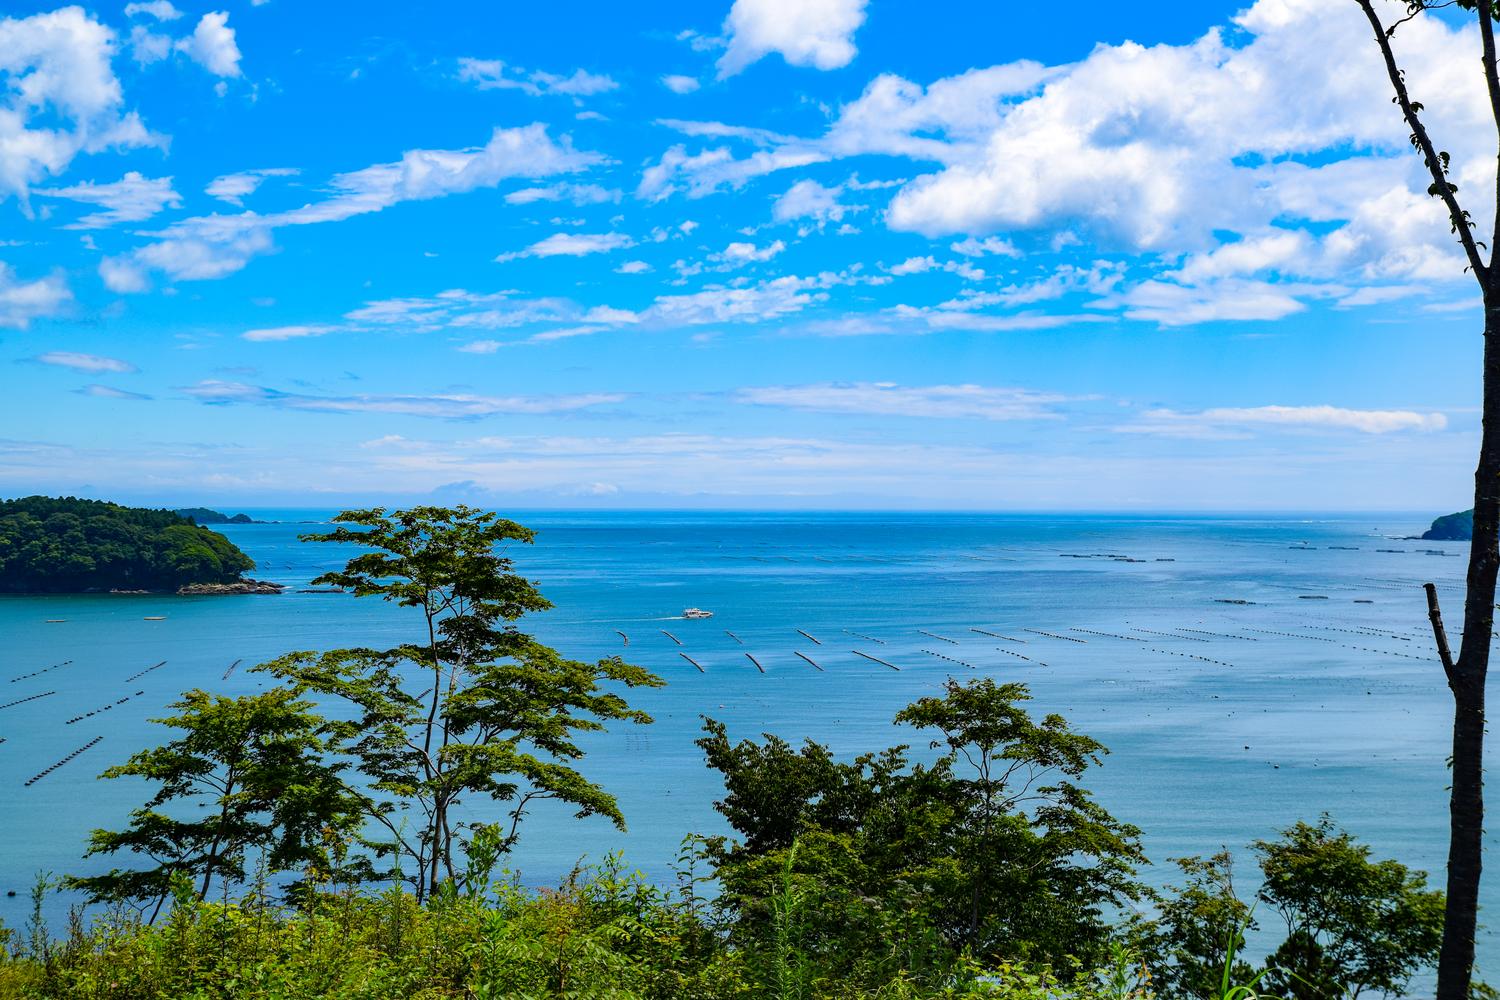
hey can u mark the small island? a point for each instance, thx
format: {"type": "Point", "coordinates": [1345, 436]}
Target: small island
{"type": "Point", "coordinates": [71, 546]}
{"type": "Point", "coordinates": [207, 515]}
{"type": "Point", "coordinates": [1451, 528]}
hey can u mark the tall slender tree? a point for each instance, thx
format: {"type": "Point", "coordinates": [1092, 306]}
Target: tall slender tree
{"type": "Point", "coordinates": [470, 708]}
{"type": "Point", "coordinates": [1466, 672]}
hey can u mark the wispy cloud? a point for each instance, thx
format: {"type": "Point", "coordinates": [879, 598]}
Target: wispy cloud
{"type": "Point", "coordinates": [295, 332]}
{"type": "Point", "coordinates": [492, 74]}
{"type": "Point", "coordinates": [92, 364]}
{"type": "Point", "coordinates": [1218, 420]}
{"type": "Point", "coordinates": [976, 402]}
{"type": "Point", "coordinates": [570, 245]}
{"type": "Point", "coordinates": [110, 392]}
{"type": "Point", "coordinates": [132, 198]}
{"type": "Point", "coordinates": [449, 406]}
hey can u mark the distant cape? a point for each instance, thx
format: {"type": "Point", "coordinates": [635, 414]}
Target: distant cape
{"type": "Point", "coordinates": [1451, 528]}
{"type": "Point", "coordinates": [206, 515]}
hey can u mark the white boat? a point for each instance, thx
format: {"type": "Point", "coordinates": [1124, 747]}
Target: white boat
{"type": "Point", "coordinates": [696, 613]}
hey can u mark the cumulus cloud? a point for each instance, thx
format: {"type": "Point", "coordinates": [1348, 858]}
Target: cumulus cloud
{"type": "Point", "coordinates": [570, 245]}
{"type": "Point", "coordinates": [492, 74]}
{"type": "Point", "coordinates": [132, 198]}
{"type": "Point", "coordinates": [680, 84]}
{"type": "Point", "coordinates": [448, 406]}
{"type": "Point", "coordinates": [818, 33]}
{"type": "Point", "coordinates": [59, 97]}
{"type": "Point", "coordinates": [92, 364]}
{"type": "Point", "coordinates": [975, 402]}
{"type": "Point", "coordinates": [1249, 169]}
{"type": "Point", "coordinates": [212, 45]}
{"type": "Point", "coordinates": [740, 253]}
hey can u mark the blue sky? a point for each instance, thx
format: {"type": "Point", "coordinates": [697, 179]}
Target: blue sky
{"type": "Point", "coordinates": [824, 253]}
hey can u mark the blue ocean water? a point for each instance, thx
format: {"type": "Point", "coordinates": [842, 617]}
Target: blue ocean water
{"type": "Point", "coordinates": [1226, 721]}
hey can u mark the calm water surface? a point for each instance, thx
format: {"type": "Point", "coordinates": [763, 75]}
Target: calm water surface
{"type": "Point", "coordinates": [1226, 722]}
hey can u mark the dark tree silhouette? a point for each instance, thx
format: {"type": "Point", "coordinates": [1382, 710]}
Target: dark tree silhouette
{"type": "Point", "coordinates": [1466, 673]}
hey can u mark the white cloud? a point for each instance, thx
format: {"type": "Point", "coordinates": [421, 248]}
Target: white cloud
{"type": "Point", "coordinates": [161, 10]}
{"type": "Point", "coordinates": [807, 199]}
{"type": "Point", "coordinates": [680, 84]}
{"type": "Point", "coordinates": [913, 265]}
{"type": "Point", "coordinates": [450, 406]}
{"type": "Point", "coordinates": [570, 245]}
{"type": "Point", "coordinates": [24, 301]}
{"type": "Point", "coordinates": [578, 194]}
{"type": "Point", "coordinates": [1173, 423]}
{"type": "Point", "coordinates": [213, 246]}
{"type": "Point", "coordinates": [491, 74]}
{"type": "Point", "coordinates": [90, 363]}
{"type": "Point", "coordinates": [212, 45]}
{"type": "Point", "coordinates": [132, 198]}
{"type": "Point", "coordinates": [123, 275]}
{"type": "Point", "coordinates": [753, 304]}
{"type": "Point", "coordinates": [739, 253]}
{"type": "Point", "coordinates": [992, 245]}
{"type": "Point", "coordinates": [1213, 301]}
{"type": "Point", "coordinates": [976, 402]}
{"type": "Point", "coordinates": [59, 97]}
{"type": "Point", "coordinates": [147, 46]}
{"type": "Point", "coordinates": [295, 332]}
{"type": "Point", "coordinates": [816, 33]}
{"type": "Point", "coordinates": [1249, 170]}
{"type": "Point", "coordinates": [235, 187]}
{"type": "Point", "coordinates": [110, 392]}
{"type": "Point", "coordinates": [633, 267]}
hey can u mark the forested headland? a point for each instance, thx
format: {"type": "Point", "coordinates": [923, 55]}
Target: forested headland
{"type": "Point", "coordinates": [68, 545]}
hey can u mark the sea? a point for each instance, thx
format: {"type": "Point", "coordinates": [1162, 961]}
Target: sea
{"type": "Point", "coordinates": [1245, 671]}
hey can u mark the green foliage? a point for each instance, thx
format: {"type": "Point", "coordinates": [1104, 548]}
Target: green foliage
{"type": "Point", "coordinates": [603, 933]}
{"type": "Point", "coordinates": [991, 851]}
{"type": "Point", "coordinates": [71, 546]}
{"type": "Point", "coordinates": [257, 769]}
{"type": "Point", "coordinates": [473, 708]}
{"type": "Point", "coordinates": [1353, 925]}
{"type": "Point", "coordinates": [1192, 945]}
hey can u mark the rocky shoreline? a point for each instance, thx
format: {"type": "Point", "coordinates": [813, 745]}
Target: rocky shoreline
{"type": "Point", "coordinates": [238, 587]}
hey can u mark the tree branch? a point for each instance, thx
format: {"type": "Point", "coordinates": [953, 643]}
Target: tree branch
{"type": "Point", "coordinates": [1492, 84]}
{"type": "Point", "coordinates": [1424, 143]}
{"type": "Point", "coordinates": [1439, 634]}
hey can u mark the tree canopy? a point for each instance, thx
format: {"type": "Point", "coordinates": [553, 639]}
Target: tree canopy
{"type": "Point", "coordinates": [68, 545]}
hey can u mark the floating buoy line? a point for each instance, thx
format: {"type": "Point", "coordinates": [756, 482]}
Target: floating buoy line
{"type": "Point", "coordinates": [48, 770]}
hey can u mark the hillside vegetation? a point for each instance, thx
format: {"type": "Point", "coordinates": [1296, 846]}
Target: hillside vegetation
{"type": "Point", "coordinates": [67, 545]}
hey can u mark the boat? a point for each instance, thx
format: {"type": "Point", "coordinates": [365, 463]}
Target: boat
{"type": "Point", "coordinates": [154, 618]}
{"type": "Point", "coordinates": [696, 613]}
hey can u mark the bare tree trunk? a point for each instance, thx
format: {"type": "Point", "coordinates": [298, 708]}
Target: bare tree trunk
{"type": "Point", "coordinates": [1466, 678]}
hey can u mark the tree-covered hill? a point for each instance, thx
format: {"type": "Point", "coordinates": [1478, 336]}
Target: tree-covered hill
{"type": "Point", "coordinates": [67, 545]}
{"type": "Point", "coordinates": [1451, 528]}
{"type": "Point", "coordinates": [207, 515]}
